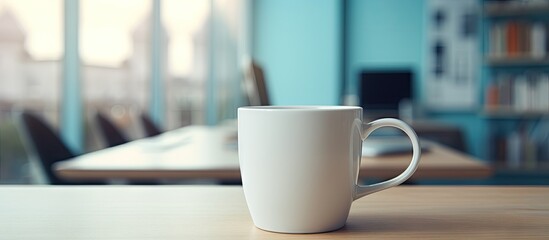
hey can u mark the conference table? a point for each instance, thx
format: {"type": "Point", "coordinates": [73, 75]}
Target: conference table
{"type": "Point", "coordinates": [206, 152]}
{"type": "Point", "coordinates": [220, 212]}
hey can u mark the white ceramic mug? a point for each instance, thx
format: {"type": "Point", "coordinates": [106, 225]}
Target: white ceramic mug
{"type": "Point", "coordinates": [299, 165]}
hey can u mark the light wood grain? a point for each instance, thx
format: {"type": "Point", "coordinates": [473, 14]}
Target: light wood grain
{"type": "Point", "coordinates": [203, 152]}
{"type": "Point", "coordinates": [207, 212]}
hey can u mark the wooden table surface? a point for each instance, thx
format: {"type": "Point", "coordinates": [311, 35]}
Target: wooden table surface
{"type": "Point", "coordinates": [210, 153]}
{"type": "Point", "coordinates": [213, 212]}
{"type": "Point", "coordinates": [439, 162]}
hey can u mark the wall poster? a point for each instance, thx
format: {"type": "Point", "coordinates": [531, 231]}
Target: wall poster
{"type": "Point", "coordinates": [453, 54]}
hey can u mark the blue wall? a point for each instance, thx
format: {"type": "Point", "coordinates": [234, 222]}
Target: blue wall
{"type": "Point", "coordinates": [298, 45]}
{"type": "Point", "coordinates": [385, 34]}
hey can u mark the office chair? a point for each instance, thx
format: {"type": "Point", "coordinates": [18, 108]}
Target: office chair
{"type": "Point", "coordinates": [42, 140]}
{"type": "Point", "coordinates": [111, 134]}
{"type": "Point", "coordinates": [256, 85]}
{"type": "Point", "coordinates": [113, 137]}
{"type": "Point", "coordinates": [150, 128]}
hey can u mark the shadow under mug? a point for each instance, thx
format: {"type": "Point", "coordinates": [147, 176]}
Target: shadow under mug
{"type": "Point", "coordinates": [300, 164]}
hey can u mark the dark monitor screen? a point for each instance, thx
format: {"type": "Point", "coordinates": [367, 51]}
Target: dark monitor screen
{"type": "Point", "coordinates": [382, 90]}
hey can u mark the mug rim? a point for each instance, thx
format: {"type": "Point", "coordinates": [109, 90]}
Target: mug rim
{"type": "Point", "coordinates": [300, 108]}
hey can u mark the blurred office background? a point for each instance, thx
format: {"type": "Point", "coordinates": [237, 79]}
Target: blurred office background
{"type": "Point", "coordinates": [183, 62]}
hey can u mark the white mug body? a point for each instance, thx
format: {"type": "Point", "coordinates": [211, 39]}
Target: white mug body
{"type": "Point", "coordinates": [299, 165]}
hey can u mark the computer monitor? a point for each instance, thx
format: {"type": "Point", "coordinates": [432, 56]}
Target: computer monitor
{"type": "Point", "coordinates": [381, 91]}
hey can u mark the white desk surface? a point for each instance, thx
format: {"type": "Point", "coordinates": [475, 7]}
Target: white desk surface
{"type": "Point", "coordinates": [210, 153]}
{"type": "Point", "coordinates": [209, 212]}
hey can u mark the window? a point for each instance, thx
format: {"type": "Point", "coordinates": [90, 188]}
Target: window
{"type": "Point", "coordinates": [115, 48]}
{"type": "Point", "coordinates": [186, 23]}
{"type": "Point", "coordinates": [114, 57]}
{"type": "Point", "coordinates": [31, 47]}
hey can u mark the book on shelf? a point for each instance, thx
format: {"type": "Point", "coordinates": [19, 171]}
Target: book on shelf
{"type": "Point", "coordinates": [519, 39]}
{"type": "Point", "coordinates": [525, 148]}
{"type": "Point", "coordinates": [521, 99]}
{"type": "Point", "coordinates": [539, 40]}
{"type": "Point", "coordinates": [528, 92]}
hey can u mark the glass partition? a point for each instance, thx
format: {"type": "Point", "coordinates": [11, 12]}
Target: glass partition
{"type": "Point", "coordinates": [31, 50]}
{"type": "Point", "coordinates": [185, 22]}
{"type": "Point", "coordinates": [115, 48]}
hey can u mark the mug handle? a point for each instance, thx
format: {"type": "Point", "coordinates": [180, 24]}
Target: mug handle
{"type": "Point", "coordinates": [367, 129]}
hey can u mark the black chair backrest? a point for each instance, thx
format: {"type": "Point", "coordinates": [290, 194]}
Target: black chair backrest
{"type": "Point", "coordinates": [261, 82]}
{"type": "Point", "coordinates": [46, 143]}
{"type": "Point", "coordinates": [111, 134]}
{"type": "Point", "coordinates": [256, 86]}
{"type": "Point", "coordinates": [150, 128]}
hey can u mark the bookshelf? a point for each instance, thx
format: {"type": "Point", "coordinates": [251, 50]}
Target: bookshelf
{"type": "Point", "coordinates": [514, 8]}
{"type": "Point", "coordinates": [515, 85]}
{"type": "Point", "coordinates": [516, 62]}
{"type": "Point", "coordinates": [507, 113]}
